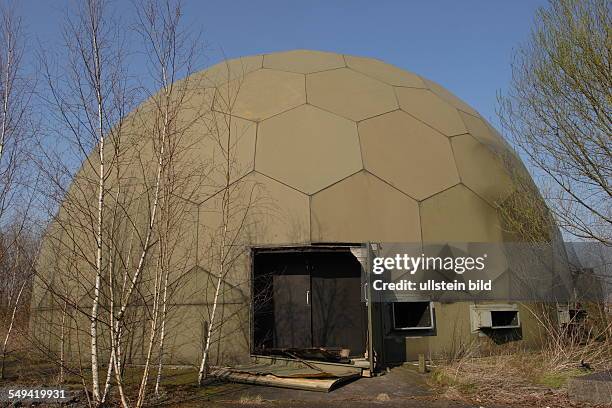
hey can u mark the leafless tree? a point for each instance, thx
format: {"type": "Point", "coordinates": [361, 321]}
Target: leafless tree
{"type": "Point", "coordinates": [16, 130]}
{"type": "Point", "coordinates": [527, 219]}
{"type": "Point", "coordinates": [15, 94]}
{"type": "Point", "coordinates": [236, 202]}
{"type": "Point", "coordinates": [558, 113]}
{"type": "Point", "coordinates": [118, 236]}
{"type": "Point", "coordinates": [172, 51]}
{"type": "Point", "coordinates": [18, 250]}
{"type": "Point", "coordinates": [88, 97]}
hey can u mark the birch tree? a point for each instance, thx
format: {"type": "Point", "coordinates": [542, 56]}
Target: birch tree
{"type": "Point", "coordinates": [235, 201]}
{"type": "Point", "coordinates": [16, 89]}
{"type": "Point", "coordinates": [17, 235]}
{"type": "Point", "coordinates": [123, 213]}
{"type": "Point", "coordinates": [87, 96]}
{"type": "Point", "coordinates": [172, 52]}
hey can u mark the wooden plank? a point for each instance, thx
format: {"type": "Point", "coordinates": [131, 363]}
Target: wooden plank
{"type": "Point", "coordinates": [308, 384]}
{"type": "Point", "coordinates": [332, 368]}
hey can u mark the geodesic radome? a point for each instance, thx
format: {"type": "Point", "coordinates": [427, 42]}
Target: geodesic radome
{"type": "Point", "coordinates": [353, 149]}
{"type": "Point", "coordinates": [344, 150]}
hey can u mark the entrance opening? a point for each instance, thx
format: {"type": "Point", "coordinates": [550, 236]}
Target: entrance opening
{"type": "Point", "coordinates": [308, 297]}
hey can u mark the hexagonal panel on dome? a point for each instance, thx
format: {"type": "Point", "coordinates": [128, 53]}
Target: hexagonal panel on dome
{"type": "Point", "coordinates": [229, 70]}
{"type": "Point", "coordinates": [482, 131]}
{"type": "Point", "coordinates": [349, 94]}
{"type": "Point", "coordinates": [363, 208]}
{"type": "Point", "coordinates": [308, 148]}
{"type": "Point", "coordinates": [408, 154]}
{"type": "Point", "coordinates": [511, 161]}
{"type": "Point", "coordinates": [281, 213]}
{"type": "Point", "coordinates": [382, 71]}
{"type": "Point", "coordinates": [450, 97]}
{"type": "Point", "coordinates": [481, 169]}
{"type": "Point", "coordinates": [303, 61]}
{"type": "Point", "coordinates": [187, 223]}
{"type": "Point", "coordinates": [195, 106]}
{"type": "Point", "coordinates": [459, 215]}
{"type": "Point", "coordinates": [275, 213]}
{"type": "Point", "coordinates": [205, 156]}
{"type": "Point", "coordinates": [199, 102]}
{"type": "Point", "coordinates": [261, 94]}
{"type": "Point", "coordinates": [431, 109]}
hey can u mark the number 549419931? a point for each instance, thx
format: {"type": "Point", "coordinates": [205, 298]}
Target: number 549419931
{"type": "Point", "coordinates": [33, 393]}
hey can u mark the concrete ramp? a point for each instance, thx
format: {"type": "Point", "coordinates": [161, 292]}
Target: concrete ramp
{"type": "Point", "coordinates": [596, 387]}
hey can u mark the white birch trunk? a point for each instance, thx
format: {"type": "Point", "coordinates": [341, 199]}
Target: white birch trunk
{"type": "Point", "coordinates": [9, 68]}
{"type": "Point", "coordinates": [202, 372]}
{"type": "Point", "coordinates": [10, 328]}
{"type": "Point", "coordinates": [141, 262]}
{"type": "Point", "coordinates": [145, 374]}
{"type": "Point", "coordinates": [63, 340]}
{"type": "Point", "coordinates": [5, 101]}
{"type": "Point", "coordinates": [225, 220]}
{"type": "Point", "coordinates": [162, 334]}
{"type": "Point", "coordinates": [111, 289]}
{"type": "Point", "coordinates": [101, 186]}
{"type": "Point", "coordinates": [116, 361]}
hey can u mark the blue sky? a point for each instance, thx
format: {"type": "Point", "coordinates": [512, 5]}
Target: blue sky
{"type": "Point", "coordinates": [467, 46]}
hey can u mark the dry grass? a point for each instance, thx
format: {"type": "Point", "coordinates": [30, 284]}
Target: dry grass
{"type": "Point", "coordinates": [504, 378]}
{"type": "Point", "coordinates": [251, 400]}
{"type": "Point", "coordinates": [536, 378]}
{"type": "Point", "coordinates": [383, 397]}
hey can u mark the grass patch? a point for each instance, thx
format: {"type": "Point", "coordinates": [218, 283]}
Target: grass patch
{"type": "Point", "coordinates": [559, 379]}
{"type": "Point", "coordinates": [439, 377]}
{"type": "Point", "coordinates": [444, 378]}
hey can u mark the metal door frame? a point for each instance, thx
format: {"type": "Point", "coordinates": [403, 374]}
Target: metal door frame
{"type": "Point", "coordinates": [293, 248]}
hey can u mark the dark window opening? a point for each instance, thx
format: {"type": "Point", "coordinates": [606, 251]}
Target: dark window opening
{"type": "Point", "coordinates": [412, 315]}
{"type": "Point", "coordinates": [504, 318]}
{"type": "Point", "coordinates": [577, 315]}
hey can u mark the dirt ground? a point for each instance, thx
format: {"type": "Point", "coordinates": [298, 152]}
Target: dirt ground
{"type": "Point", "coordinates": [400, 387]}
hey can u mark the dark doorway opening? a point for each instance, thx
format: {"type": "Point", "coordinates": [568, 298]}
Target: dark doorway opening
{"type": "Point", "coordinates": [308, 297]}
